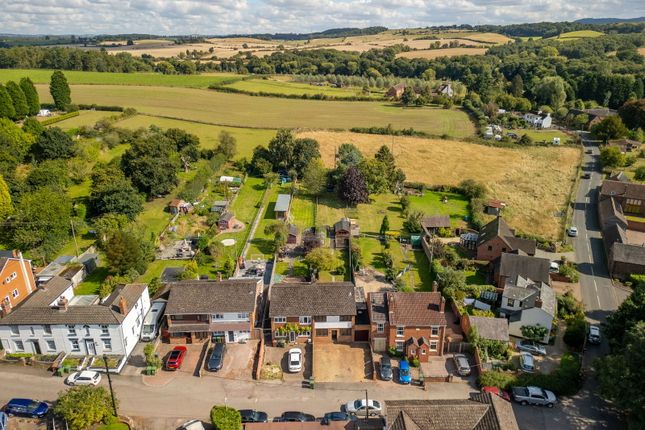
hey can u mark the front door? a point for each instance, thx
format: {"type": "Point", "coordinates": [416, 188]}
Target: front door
{"type": "Point", "coordinates": [36, 347]}
{"type": "Point", "coordinates": [334, 335]}
{"type": "Point", "coordinates": [90, 347]}
{"type": "Point", "coordinates": [231, 336]}
{"type": "Point", "coordinates": [292, 336]}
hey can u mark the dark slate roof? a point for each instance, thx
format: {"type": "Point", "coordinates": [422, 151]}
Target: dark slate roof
{"type": "Point", "coordinates": [436, 221]}
{"type": "Point", "coordinates": [378, 302]}
{"type": "Point", "coordinates": [613, 234]}
{"type": "Point", "coordinates": [490, 328]}
{"type": "Point", "coordinates": [316, 299]}
{"type": "Point", "coordinates": [480, 412]}
{"type": "Point", "coordinates": [619, 176]}
{"type": "Point", "coordinates": [343, 225]}
{"type": "Point", "coordinates": [37, 310]}
{"type": "Point", "coordinates": [611, 213]}
{"type": "Point", "coordinates": [533, 268]}
{"type": "Point", "coordinates": [495, 228]}
{"type": "Point", "coordinates": [632, 254]}
{"type": "Point", "coordinates": [526, 245]}
{"type": "Point", "coordinates": [226, 217]}
{"type": "Point", "coordinates": [419, 309]}
{"type": "Point", "coordinates": [600, 112]}
{"type": "Point", "coordinates": [293, 229]}
{"type": "Point", "coordinates": [282, 203]}
{"type": "Point", "coordinates": [628, 190]}
{"type": "Point", "coordinates": [211, 296]}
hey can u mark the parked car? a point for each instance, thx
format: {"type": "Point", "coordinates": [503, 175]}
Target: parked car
{"type": "Point", "coordinates": [554, 267]}
{"type": "Point", "coordinates": [533, 396]}
{"type": "Point", "coordinates": [294, 358]}
{"type": "Point", "coordinates": [496, 391]}
{"type": "Point", "coordinates": [594, 335]}
{"type": "Point", "coordinates": [359, 406]}
{"type": "Point", "coordinates": [296, 417]}
{"type": "Point", "coordinates": [192, 425]}
{"type": "Point", "coordinates": [404, 372]}
{"type": "Point", "coordinates": [216, 360]}
{"type": "Point", "coordinates": [4, 421]}
{"type": "Point", "coordinates": [337, 416]}
{"type": "Point", "coordinates": [461, 364]}
{"type": "Point", "coordinates": [385, 368]}
{"type": "Point", "coordinates": [176, 358]}
{"type": "Point", "coordinates": [586, 175]}
{"type": "Point", "coordinates": [253, 416]}
{"type": "Point", "coordinates": [572, 231]}
{"type": "Point", "coordinates": [532, 347]}
{"type": "Point", "coordinates": [527, 362]}
{"type": "Point", "coordinates": [86, 377]}
{"type": "Point", "coordinates": [26, 408]}
{"type": "Point", "coordinates": [588, 151]}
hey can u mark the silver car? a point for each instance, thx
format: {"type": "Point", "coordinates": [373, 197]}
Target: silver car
{"type": "Point", "coordinates": [527, 362]}
{"type": "Point", "coordinates": [462, 365]}
{"type": "Point", "coordinates": [532, 347]}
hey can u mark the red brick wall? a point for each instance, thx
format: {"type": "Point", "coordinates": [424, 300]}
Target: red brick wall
{"type": "Point", "coordinates": [497, 245]}
{"type": "Point", "coordinates": [409, 332]}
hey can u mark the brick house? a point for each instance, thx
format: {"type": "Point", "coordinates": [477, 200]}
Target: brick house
{"type": "Point", "coordinates": [17, 281]}
{"type": "Point", "coordinates": [413, 323]}
{"type": "Point", "coordinates": [226, 221]}
{"type": "Point", "coordinates": [316, 312]}
{"type": "Point", "coordinates": [396, 91]}
{"type": "Point", "coordinates": [497, 237]}
{"type": "Point", "coordinates": [630, 196]}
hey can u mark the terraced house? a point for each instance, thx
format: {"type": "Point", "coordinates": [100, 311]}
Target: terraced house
{"type": "Point", "coordinates": [320, 312]}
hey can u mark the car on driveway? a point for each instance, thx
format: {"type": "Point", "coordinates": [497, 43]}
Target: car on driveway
{"type": "Point", "coordinates": [588, 151]}
{"type": "Point", "coordinates": [26, 408]}
{"type": "Point", "coordinates": [337, 416]}
{"type": "Point", "coordinates": [358, 407]}
{"type": "Point", "coordinates": [404, 372]}
{"type": "Point", "coordinates": [295, 417]}
{"type": "Point", "coordinates": [216, 360]}
{"type": "Point", "coordinates": [533, 396]}
{"type": "Point", "coordinates": [532, 347]}
{"type": "Point", "coordinates": [4, 421]}
{"type": "Point", "coordinates": [586, 175]}
{"type": "Point", "coordinates": [572, 231]}
{"type": "Point", "coordinates": [86, 377]}
{"type": "Point", "coordinates": [385, 368]}
{"type": "Point", "coordinates": [496, 391]}
{"type": "Point", "coordinates": [253, 416]}
{"type": "Point", "coordinates": [294, 357]}
{"type": "Point", "coordinates": [461, 364]}
{"type": "Point", "coordinates": [176, 358]}
{"type": "Point", "coordinates": [192, 425]}
{"type": "Point", "coordinates": [594, 335]}
{"type": "Point", "coordinates": [527, 362]}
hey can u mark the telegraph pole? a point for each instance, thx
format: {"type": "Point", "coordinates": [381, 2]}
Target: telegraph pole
{"type": "Point", "coordinates": [107, 370]}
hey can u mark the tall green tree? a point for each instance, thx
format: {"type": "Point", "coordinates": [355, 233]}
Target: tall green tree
{"type": "Point", "coordinates": [31, 95]}
{"type": "Point", "coordinates": [552, 91]}
{"type": "Point", "coordinates": [314, 177]}
{"type": "Point", "coordinates": [352, 187]}
{"type": "Point", "coordinates": [610, 128]}
{"type": "Point", "coordinates": [6, 104]}
{"type": "Point", "coordinates": [127, 250]}
{"type": "Point", "coordinates": [19, 101]}
{"type": "Point", "coordinates": [227, 144]}
{"type": "Point", "coordinates": [152, 164]}
{"type": "Point", "coordinates": [54, 143]}
{"type": "Point", "coordinates": [6, 205]}
{"type": "Point", "coordinates": [385, 226]}
{"type": "Point", "coordinates": [59, 89]}
{"type": "Point", "coordinates": [112, 193]}
{"type": "Point", "coordinates": [84, 406]}
{"type": "Point", "coordinates": [517, 86]}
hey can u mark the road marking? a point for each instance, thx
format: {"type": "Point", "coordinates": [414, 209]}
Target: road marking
{"type": "Point", "coordinates": [593, 278]}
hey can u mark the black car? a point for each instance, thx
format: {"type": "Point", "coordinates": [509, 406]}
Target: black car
{"type": "Point", "coordinates": [253, 416]}
{"type": "Point", "coordinates": [337, 416]}
{"type": "Point", "coordinates": [386, 368]}
{"type": "Point", "coordinates": [586, 176]}
{"type": "Point", "coordinates": [291, 417]}
{"type": "Point", "coordinates": [216, 359]}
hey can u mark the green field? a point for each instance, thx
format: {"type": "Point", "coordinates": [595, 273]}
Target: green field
{"type": "Point", "coordinates": [297, 88]}
{"type": "Point", "coordinates": [238, 110]}
{"type": "Point", "coordinates": [581, 34]}
{"type": "Point", "coordinates": [541, 135]}
{"type": "Point", "coordinates": [85, 117]}
{"type": "Point", "coordinates": [108, 78]}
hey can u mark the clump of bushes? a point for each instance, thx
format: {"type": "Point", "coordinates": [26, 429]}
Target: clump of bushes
{"type": "Point", "coordinates": [225, 418]}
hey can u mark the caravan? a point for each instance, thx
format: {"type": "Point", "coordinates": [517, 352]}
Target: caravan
{"type": "Point", "coordinates": [152, 321]}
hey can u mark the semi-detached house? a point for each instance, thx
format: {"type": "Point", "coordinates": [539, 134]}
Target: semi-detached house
{"type": "Point", "coordinates": [55, 320]}
{"type": "Point", "coordinates": [16, 281]}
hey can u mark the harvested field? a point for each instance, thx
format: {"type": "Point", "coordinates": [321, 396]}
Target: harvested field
{"type": "Point", "coordinates": [535, 181]}
{"type": "Point", "coordinates": [436, 53]}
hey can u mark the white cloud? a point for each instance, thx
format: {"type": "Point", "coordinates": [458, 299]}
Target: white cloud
{"type": "Point", "coordinates": [297, 16]}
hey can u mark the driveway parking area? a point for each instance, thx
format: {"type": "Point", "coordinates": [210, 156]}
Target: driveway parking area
{"type": "Point", "coordinates": [445, 365]}
{"type": "Point", "coordinates": [280, 356]}
{"type": "Point", "coordinates": [191, 360]}
{"type": "Point", "coordinates": [238, 361]}
{"type": "Point", "coordinates": [549, 362]}
{"type": "Point", "coordinates": [342, 362]}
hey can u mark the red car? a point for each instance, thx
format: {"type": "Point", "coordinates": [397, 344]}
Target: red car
{"type": "Point", "coordinates": [176, 357]}
{"type": "Point", "coordinates": [498, 392]}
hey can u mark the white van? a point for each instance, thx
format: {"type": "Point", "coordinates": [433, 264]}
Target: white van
{"type": "Point", "coordinates": [153, 320]}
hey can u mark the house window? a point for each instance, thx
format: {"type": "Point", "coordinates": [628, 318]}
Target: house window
{"type": "Point", "coordinates": [51, 345]}
{"type": "Point", "coordinates": [32, 332]}
{"type": "Point", "coordinates": [413, 352]}
{"type": "Point", "coordinates": [345, 331]}
{"type": "Point", "coordinates": [510, 303]}
{"type": "Point", "coordinates": [279, 319]}
{"type": "Point", "coordinates": [400, 331]}
{"type": "Point", "coordinates": [87, 330]}
{"type": "Point", "coordinates": [15, 293]}
{"type": "Point", "coordinates": [434, 331]}
{"type": "Point", "coordinates": [105, 330]}
{"type": "Point", "coordinates": [490, 247]}
{"type": "Point", "coordinates": [433, 345]}
{"type": "Point", "coordinates": [14, 275]}
{"type": "Point", "coordinates": [399, 345]}
{"type": "Point", "coordinates": [15, 331]}
{"type": "Point", "coordinates": [243, 316]}
{"type": "Point", "coordinates": [19, 345]}
{"type": "Point", "coordinates": [322, 332]}
{"type": "Point", "coordinates": [47, 329]}
{"type": "Point", "coordinates": [218, 316]}
{"type": "Point", "coordinates": [107, 344]}
{"type": "Point", "coordinates": [75, 346]}
{"type": "Point", "coordinates": [304, 320]}
{"type": "Point", "coordinates": [632, 206]}
{"type": "Point", "coordinates": [304, 334]}
{"type": "Point", "coordinates": [503, 249]}
{"type": "Point", "coordinates": [423, 351]}
{"type": "Point", "coordinates": [71, 330]}
{"type": "Point", "coordinates": [278, 334]}
{"type": "Point", "coordinates": [380, 327]}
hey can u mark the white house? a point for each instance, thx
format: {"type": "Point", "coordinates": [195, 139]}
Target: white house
{"type": "Point", "coordinates": [55, 320]}
{"type": "Point", "coordinates": [539, 119]}
{"type": "Point", "coordinates": [44, 112]}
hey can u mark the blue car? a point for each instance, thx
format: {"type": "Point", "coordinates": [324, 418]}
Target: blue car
{"type": "Point", "coordinates": [404, 372]}
{"type": "Point", "coordinates": [26, 408]}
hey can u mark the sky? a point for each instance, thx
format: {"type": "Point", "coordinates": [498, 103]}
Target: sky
{"type": "Point", "coordinates": [220, 17]}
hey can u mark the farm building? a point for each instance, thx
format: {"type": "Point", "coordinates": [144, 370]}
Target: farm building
{"type": "Point", "coordinates": [292, 234]}
{"type": "Point", "coordinates": [219, 206]}
{"type": "Point", "coordinates": [179, 206]}
{"type": "Point", "coordinates": [226, 221]}
{"type": "Point", "coordinates": [282, 206]}
{"type": "Point", "coordinates": [432, 224]}
{"type": "Point", "coordinates": [231, 180]}
{"type": "Point", "coordinates": [494, 207]}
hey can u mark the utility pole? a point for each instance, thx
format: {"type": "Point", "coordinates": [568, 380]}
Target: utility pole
{"type": "Point", "coordinates": [107, 370]}
{"type": "Point", "coordinates": [367, 408]}
{"type": "Point", "coordinates": [74, 236]}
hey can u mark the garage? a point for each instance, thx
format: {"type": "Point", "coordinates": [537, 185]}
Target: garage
{"type": "Point", "coordinates": [361, 335]}
{"type": "Point", "coordinates": [379, 344]}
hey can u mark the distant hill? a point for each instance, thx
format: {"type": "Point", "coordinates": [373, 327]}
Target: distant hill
{"type": "Point", "coordinates": [327, 34]}
{"type": "Point", "coordinates": [609, 20]}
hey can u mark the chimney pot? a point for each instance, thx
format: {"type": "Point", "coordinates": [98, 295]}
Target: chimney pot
{"type": "Point", "coordinates": [435, 286]}
{"type": "Point", "coordinates": [62, 303]}
{"type": "Point", "coordinates": [442, 305]}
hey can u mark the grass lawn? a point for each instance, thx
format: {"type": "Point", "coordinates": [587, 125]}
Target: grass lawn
{"type": "Point", "coordinates": [342, 259]}
{"type": "Point", "coordinates": [117, 426]}
{"type": "Point", "coordinates": [157, 267]}
{"type": "Point", "coordinates": [303, 210]}
{"type": "Point", "coordinates": [247, 138]}
{"type": "Point", "coordinates": [262, 244]}
{"type": "Point", "coordinates": [296, 88]}
{"type": "Point", "coordinates": [108, 78]}
{"type": "Point", "coordinates": [239, 110]}
{"type": "Point", "coordinates": [92, 283]}
{"type": "Point", "coordinates": [86, 117]}
{"type": "Point", "coordinates": [475, 277]}
{"type": "Point", "coordinates": [542, 135]}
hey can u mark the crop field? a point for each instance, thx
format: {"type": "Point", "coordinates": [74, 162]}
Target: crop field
{"type": "Point", "coordinates": [296, 88]}
{"type": "Point", "coordinates": [239, 110]}
{"type": "Point", "coordinates": [436, 53]}
{"type": "Point", "coordinates": [581, 34]}
{"type": "Point", "coordinates": [540, 135]}
{"type": "Point", "coordinates": [105, 78]}
{"type": "Point", "coordinates": [534, 182]}
{"type": "Point", "coordinates": [85, 117]}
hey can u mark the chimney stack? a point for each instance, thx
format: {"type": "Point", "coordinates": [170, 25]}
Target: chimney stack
{"type": "Point", "coordinates": [26, 275]}
{"type": "Point", "coordinates": [5, 307]}
{"type": "Point", "coordinates": [442, 305]}
{"type": "Point", "coordinates": [219, 276]}
{"type": "Point", "coordinates": [435, 286]}
{"type": "Point", "coordinates": [62, 303]}
{"type": "Point", "coordinates": [123, 306]}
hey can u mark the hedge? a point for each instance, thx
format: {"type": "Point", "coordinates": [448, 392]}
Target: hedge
{"type": "Point", "coordinates": [221, 88]}
{"type": "Point", "coordinates": [59, 118]}
{"type": "Point", "coordinates": [194, 187]}
{"type": "Point", "coordinates": [225, 418]}
{"type": "Point", "coordinates": [102, 108]}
